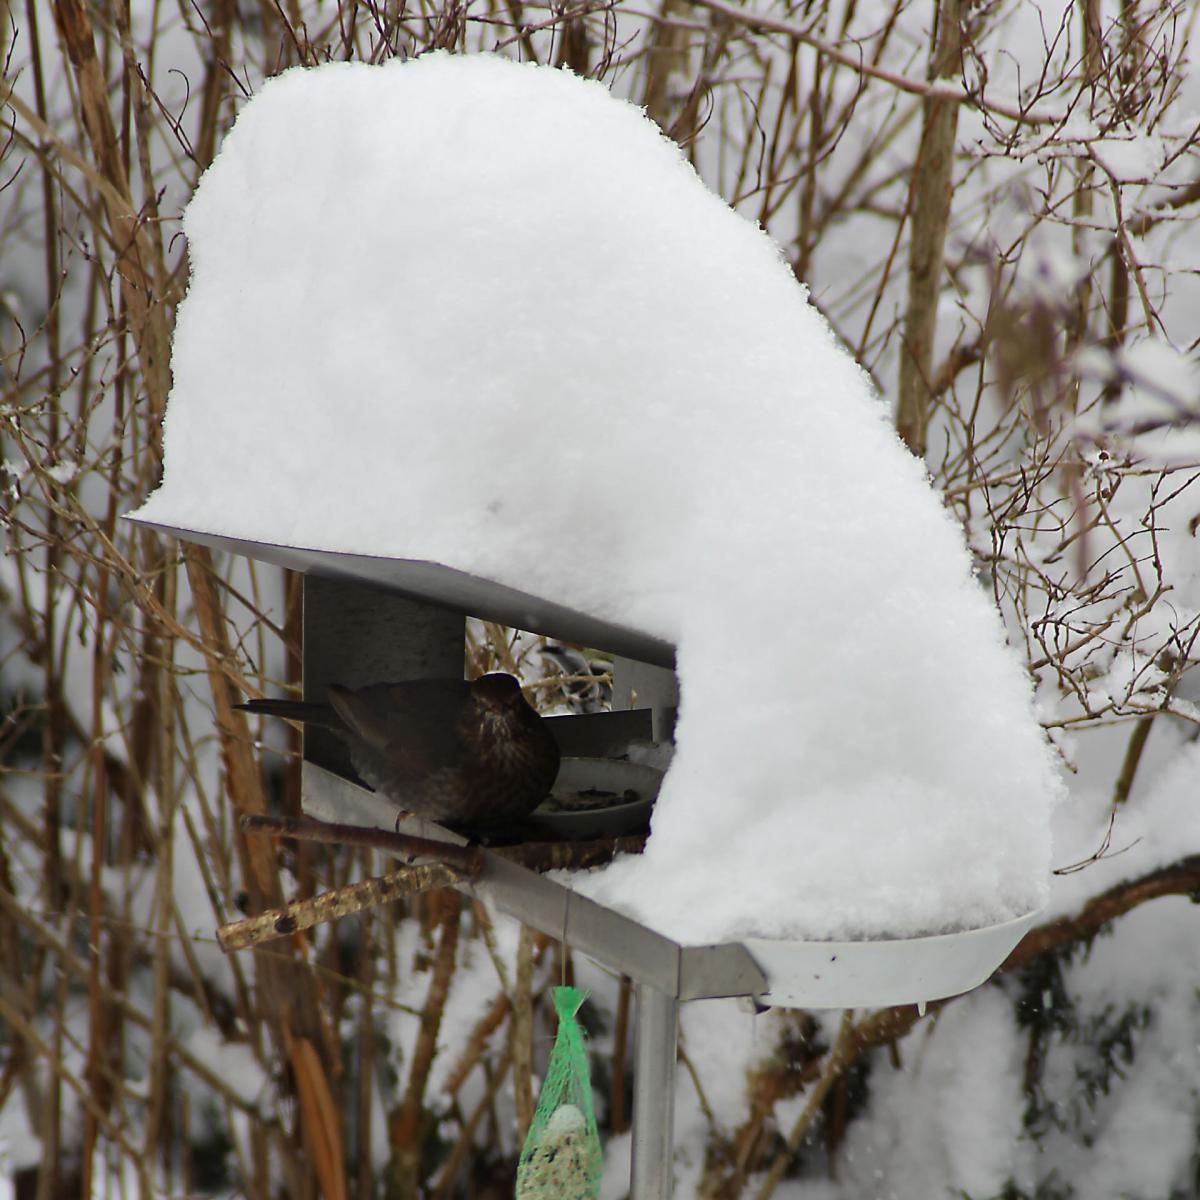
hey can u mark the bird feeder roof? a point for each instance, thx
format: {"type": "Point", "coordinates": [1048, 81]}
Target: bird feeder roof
{"type": "Point", "coordinates": [439, 584]}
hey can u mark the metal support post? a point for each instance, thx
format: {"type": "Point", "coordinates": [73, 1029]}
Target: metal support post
{"type": "Point", "coordinates": [639, 685]}
{"type": "Point", "coordinates": [355, 634]}
{"type": "Point", "coordinates": [657, 1031]}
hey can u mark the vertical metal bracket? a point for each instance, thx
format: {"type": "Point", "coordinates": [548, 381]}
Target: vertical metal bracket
{"type": "Point", "coordinates": [643, 686]}
{"type": "Point", "coordinates": [656, 1037]}
{"type": "Point", "coordinates": [355, 634]}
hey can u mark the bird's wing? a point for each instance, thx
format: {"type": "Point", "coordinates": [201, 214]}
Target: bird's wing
{"type": "Point", "coordinates": [412, 723]}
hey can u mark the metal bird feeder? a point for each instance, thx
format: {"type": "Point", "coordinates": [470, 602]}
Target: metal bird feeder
{"type": "Point", "coordinates": [369, 618]}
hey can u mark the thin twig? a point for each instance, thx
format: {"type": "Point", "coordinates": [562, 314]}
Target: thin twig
{"type": "Point", "coordinates": [858, 63]}
{"type": "Point", "coordinates": [464, 859]}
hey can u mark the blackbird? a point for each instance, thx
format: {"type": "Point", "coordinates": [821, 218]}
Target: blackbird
{"type": "Point", "coordinates": [473, 755]}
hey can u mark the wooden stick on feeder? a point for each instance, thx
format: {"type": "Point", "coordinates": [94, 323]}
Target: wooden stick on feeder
{"type": "Point", "coordinates": [457, 864]}
{"type": "Point", "coordinates": [460, 862]}
{"type": "Point", "coordinates": [340, 902]}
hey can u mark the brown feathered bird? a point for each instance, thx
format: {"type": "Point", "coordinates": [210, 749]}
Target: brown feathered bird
{"type": "Point", "coordinates": [473, 755]}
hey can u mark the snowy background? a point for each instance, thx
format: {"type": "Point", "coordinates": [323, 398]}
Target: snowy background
{"type": "Point", "coordinates": [1061, 401]}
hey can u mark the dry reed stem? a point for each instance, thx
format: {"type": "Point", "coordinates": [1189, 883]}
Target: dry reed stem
{"type": "Point", "coordinates": [406, 1124]}
{"type": "Point", "coordinates": [930, 208]}
{"type": "Point", "coordinates": [319, 1116]}
{"type": "Point", "coordinates": [521, 1035]}
{"type": "Point", "coordinates": [836, 1061]}
{"type": "Point", "coordinates": [463, 1143]}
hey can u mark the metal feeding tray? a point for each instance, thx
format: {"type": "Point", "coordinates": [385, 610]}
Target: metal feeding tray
{"type": "Point", "coordinates": [883, 973]}
{"type": "Point", "coordinates": [598, 798]}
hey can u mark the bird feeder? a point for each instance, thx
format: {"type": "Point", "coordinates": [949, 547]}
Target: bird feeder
{"type": "Point", "coordinates": [373, 618]}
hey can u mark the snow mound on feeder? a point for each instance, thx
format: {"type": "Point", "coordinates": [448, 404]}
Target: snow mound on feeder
{"type": "Point", "coordinates": [483, 313]}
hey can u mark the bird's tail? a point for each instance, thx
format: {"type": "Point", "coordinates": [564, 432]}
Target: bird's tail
{"type": "Point", "coordinates": [293, 710]}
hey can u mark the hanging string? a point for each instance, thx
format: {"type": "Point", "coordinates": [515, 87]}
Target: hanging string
{"type": "Point", "coordinates": [562, 956]}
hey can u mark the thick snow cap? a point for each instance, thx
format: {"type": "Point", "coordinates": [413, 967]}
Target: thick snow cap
{"type": "Point", "coordinates": [484, 313]}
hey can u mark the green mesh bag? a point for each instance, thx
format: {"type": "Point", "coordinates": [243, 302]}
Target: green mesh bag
{"type": "Point", "coordinates": [562, 1159]}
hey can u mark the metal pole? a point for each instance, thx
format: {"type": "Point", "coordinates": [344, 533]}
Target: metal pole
{"type": "Point", "coordinates": [653, 1093]}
